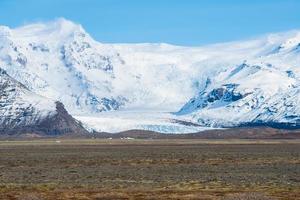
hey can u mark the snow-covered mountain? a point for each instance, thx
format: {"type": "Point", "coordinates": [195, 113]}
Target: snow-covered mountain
{"type": "Point", "coordinates": [262, 90]}
{"type": "Point", "coordinates": [156, 86]}
{"type": "Point", "coordinates": [19, 106]}
{"type": "Point", "coordinates": [55, 59]}
{"type": "Point", "coordinates": [22, 111]}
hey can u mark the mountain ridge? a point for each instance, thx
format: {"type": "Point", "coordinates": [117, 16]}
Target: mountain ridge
{"type": "Point", "coordinates": [223, 85]}
{"type": "Point", "coordinates": [24, 112]}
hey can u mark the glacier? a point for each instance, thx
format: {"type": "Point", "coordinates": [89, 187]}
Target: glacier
{"type": "Point", "coordinates": [160, 87]}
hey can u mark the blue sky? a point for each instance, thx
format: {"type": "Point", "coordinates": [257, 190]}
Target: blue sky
{"type": "Point", "coordinates": [182, 22]}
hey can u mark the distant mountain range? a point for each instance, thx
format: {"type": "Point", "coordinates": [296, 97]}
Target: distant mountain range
{"type": "Point", "coordinates": [155, 87]}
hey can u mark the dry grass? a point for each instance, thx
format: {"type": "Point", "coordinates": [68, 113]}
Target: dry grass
{"type": "Point", "coordinates": [149, 169]}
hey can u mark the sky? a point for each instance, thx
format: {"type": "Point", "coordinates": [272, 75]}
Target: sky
{"type": "Point", "coordinates": [180, 22]}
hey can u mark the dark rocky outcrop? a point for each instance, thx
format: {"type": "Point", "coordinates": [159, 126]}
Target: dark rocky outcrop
{"type": "Point", "coordinates": [58, 125]}
{"type": "Point", "coordinates": [24, 112]}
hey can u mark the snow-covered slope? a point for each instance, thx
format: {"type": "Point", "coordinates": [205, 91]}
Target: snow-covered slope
{"type": "Point", "coordinates": [20, 107]}
{"type": "Point", "coordinates": [221, 85]}
{"type": "Point", "coordinates": [22, 111]}
{"type": "Point", "coordinates": [262, 90]}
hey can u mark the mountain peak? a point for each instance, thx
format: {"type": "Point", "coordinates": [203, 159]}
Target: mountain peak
{"type": "Point", "coordinates": [57, 28]}
{"type": "Point", "coordinates": [4, 31]}
{"type": "Point", "coordinates": [285, 40]}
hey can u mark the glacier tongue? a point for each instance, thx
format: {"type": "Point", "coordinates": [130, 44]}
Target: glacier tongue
{"type": "Point", "coordinates": [222, 85]}
{"type": "Point", "coordinates": [158, 121]}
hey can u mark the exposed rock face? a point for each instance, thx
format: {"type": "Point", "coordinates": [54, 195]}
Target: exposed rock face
{"type": "Point", "coordinates": [22, 111]}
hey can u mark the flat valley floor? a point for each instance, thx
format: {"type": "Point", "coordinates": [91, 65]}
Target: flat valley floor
{"type": "Point", "coordinates": [149, 169]}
